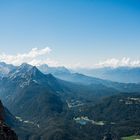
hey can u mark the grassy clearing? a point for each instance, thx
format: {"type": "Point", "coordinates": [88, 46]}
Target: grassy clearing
{"type": "Point", "coordinates": [131, 138]}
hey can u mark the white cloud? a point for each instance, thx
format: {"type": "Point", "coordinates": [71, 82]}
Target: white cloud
{"type": "Point", "coordinates": [113, 62]}
{"type": "Point", "coordinates": [41, 56]}
{"type": "Point", "coordinates": [35, 57]}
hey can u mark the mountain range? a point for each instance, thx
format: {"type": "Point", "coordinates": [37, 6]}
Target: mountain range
{"type": "Point", "coordinates": [61, 105]}
{"type": "Point", "coordinates": [118, 74]}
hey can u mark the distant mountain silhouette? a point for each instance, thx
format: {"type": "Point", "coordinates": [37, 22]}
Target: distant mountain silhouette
{"type": "Point", "coordinates": [119, 74]}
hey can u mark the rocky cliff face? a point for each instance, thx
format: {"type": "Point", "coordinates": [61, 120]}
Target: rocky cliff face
{"type": "Point", "coordinates": [6, 133]}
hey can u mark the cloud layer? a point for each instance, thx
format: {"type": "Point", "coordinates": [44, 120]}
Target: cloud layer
{"type": "Point", "coordinates": [113, 62]}
{"type": "Point", "coordinates": [41, 56]}
{"type": "Point", "coordinates": [34, 57]}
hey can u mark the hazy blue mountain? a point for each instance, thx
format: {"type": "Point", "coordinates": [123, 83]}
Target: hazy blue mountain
{"type": "Point", "coordinates": [53, 70]}
{"type": "Point", "coordinates": [5, 68]}
{"type": "Point", "coordinates": [120, 74]}
{"type": "Point", "coordinates": [79, 78]}
{"type": "Point", "coordinates": [88, 80]}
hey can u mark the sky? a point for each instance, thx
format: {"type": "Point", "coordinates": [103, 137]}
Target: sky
{"type": "Point", "coordinates": [73, 33]}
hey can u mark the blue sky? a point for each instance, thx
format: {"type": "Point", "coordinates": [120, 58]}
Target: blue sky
{"type": "Point", "coordinates": [79, 32]}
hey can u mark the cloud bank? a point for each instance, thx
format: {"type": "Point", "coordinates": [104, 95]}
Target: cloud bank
{"type": "Point", "coordinates": [34, 57]}
{"type": "Point", "coordinates": [41, 56]}
{"type": "Point", "coordinates": [113, 62]}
